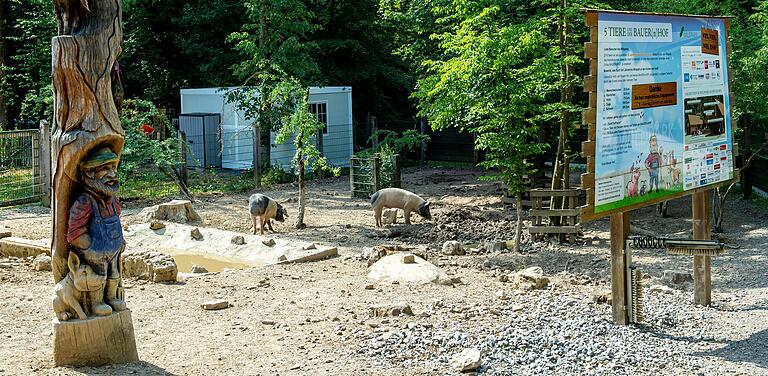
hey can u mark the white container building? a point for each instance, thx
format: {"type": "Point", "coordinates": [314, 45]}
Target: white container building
{"type": "Point", "coordinates": [333, 106]}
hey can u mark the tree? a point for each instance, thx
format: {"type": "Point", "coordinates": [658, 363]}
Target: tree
{"type": "Point", "coordinates": [490, 82]}
{"type": "Point", "coordinates": [25, 76]}
{"type": "Point", "coordinates": [302, 126]}
{"type": "Point", "coordinates": [274, 47]}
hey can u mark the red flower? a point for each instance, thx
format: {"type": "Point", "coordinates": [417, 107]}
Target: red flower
{"type": "Point", "coordinates": [147, 129]}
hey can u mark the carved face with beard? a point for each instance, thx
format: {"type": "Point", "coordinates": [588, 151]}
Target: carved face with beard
{"type": "Point", "coordinates": [102, 180]}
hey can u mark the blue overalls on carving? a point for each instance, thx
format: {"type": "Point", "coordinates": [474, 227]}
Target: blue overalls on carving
{"type": "Point", "coordinates": [106, 241]}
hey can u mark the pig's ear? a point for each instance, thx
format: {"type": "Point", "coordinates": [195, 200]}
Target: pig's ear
{"type": "Point", "coordinates": [73, 261]}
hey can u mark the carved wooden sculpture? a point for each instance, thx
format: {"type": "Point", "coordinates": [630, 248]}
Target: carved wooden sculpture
{"type": "Point", "coordinates": [92, 325]}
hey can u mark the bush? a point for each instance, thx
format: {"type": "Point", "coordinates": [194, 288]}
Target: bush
{"type": "Point", "coordinates": [276, 175]}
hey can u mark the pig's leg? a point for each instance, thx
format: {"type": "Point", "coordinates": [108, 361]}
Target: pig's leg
{"type": "Point", "coordinates": [407, 215]}
{"type": "Point", "coordinates": [253, 219]}
{"type": "Point", "coordinates": [269, 224]}
{"type": "Point", "coordinates": [261, 225]}
{"type": "Point", "coordinates": [377, 214]}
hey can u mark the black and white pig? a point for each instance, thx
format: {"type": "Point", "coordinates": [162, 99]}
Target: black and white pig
{"type": "Point", "coordinates": [265, 209]}
{"type": "Point", "coordinates": [396, 198]}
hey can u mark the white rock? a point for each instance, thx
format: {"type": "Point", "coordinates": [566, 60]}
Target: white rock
{"type": "Point", "coordinates": [661, 289]}
{"type": "Point", "coordinates": [213, 305]}
{"type": "Point", "coordinates": [391, 269]}
{"type": "Point", "coordinates": [197, 269]}
{"type": "Point", "coordinates": [371, 255]}
{"type": "Point", "coordinates": [42, 263]}
{"type": "Point", "coordinates": [389, 216]}
{"type": "Point", "coordinates": [467, 360]}
{"type": "Point", "coordinates": [149, 265]}
{"type": "Point", "coordinates": [531, 278]}
{"type": "Point", "coordinates": [452, 248]}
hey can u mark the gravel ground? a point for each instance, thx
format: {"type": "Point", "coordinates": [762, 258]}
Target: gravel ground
{"type": "Point", "coordinates": [314, 318]}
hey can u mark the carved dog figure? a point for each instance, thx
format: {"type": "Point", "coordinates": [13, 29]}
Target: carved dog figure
{"type": "Point", "coordinates": [70, 291]}
{"type": "Point", "coordinates": [69, 13]}
{"type": "Point", "coordinates": [396, 198]}
{"type": "Point", "coordinates": [265, 209]}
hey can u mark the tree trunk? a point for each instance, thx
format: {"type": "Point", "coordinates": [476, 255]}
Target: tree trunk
{"type": "Point", "coordinates": [257, 154]}
{"type": "Point", "coordinates": [4, 118]}
{"type": "Point", "coordinates": [519, 229]}
{"type": "Point", "coordinates": [85, 114]}
{"type": "Point", "coordinates": [302, 193]}
{"type": "Point", "coordinates": [560, 175]}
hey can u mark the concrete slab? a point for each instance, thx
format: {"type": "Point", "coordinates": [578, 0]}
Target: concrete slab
{"type": "Point", "coordinates": [20, 247]}
{"type": "Point", "coordinates": [216, 245]}
{"type": "Point", "coordinates": [407, 268]}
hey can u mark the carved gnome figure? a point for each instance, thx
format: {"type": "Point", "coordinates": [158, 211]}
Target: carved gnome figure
{"type": "Point", "coordinates": [94, 231]}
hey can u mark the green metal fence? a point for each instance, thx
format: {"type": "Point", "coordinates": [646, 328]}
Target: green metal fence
{"type": "Point", "coordinates": [20, 174]}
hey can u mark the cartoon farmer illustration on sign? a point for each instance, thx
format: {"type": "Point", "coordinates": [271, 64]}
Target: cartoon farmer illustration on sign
{"type": "Point", "coordinates": [653, 163]}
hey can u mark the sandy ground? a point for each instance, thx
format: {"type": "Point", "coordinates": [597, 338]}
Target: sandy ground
{"type": "Point", "coordinates": [313, 318]}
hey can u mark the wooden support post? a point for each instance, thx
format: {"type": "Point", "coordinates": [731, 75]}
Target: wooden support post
{"type": "Point", "coordinates": [619, 233]}
{"type": "Point", "coordinates": [396, 166]}
{"type": "Point", "coordinates": [702, 265]}
{"type": "Point", "coordinates": [183, 148]}
{"type": "Point", "coordinates": [375, 172]}
{"type": "Point", "coordinates": [352, 177]}
{"type": "Point", "coordinates": [45, 163]}
{"type": "Point", "coordinates": [374, 130]}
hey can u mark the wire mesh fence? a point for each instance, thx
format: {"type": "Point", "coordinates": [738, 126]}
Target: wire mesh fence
{"type": "Point", "coordinates": [20, 175]}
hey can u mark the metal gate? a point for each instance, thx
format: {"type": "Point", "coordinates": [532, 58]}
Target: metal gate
{"type": "Point", "coordinates": [20, 174]}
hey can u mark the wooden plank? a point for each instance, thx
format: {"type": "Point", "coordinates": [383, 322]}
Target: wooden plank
{"type": "Point", "coordinates": [590, 18]}
{"type": "Point", "coordinates": [587, 180]}
{"type": "Point", "coordinates": [554, 212]}
{"type": "Point", "coordinates": [544, 192]}
{"type": "Point", "coordinates": [590, 50]}
{"type": "Point", "coordinates": [590, 83]}
{"type": "Point", "coordinates": [589, 115]}
{"type": "Point", "coordinates": [619, 233]}
{"type": "Point", "coordinates": [702, 265]}
{"type": "Point", "coordinates": [592, 132]}
{"type": "Point", "coordinates": [655, 201]}
{"type": "Point", "coordinates": [592, 100]}
{"type": "Point", "coordinates": [588, 148]}
{"type": "Point", "coordinates": [591, 164]}
{"type": "Point", "coordinates": [593, 34]}
{"type": "Point", "coordinates": [590, 196]}
{"type": "Point", "coordinates": [554, 229]}
{"type": "Point", "coordinates": [593, 68]}
{"type": "Point", "coordinates": [651, 14]}
{"type": "Point", "coordinates": [586, 213]}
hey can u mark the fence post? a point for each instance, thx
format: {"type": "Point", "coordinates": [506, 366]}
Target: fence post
{"type": "Point", "coordinates": [375, 171]}
{"type": "Point", "coordinates": [396, 164]}
{"type": "Point", "coordinates": [45, 162]}
{"type": "Point", "coordinates": [374, 130]}
{"type": "Point", "coordinates": [183, 148]}
{"type": "Point", "coordinates": [352, 177]}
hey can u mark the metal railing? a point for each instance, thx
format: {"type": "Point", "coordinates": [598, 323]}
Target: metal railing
{"type": "Point", "coordinates": [20, 174]}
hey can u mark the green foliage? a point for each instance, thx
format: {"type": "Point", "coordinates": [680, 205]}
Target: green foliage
{"type": "Point", "coordinates": [276, 175]}
{"type": "Point", "coordinates": [393, 143]}
{"type": "Point", "coordinates": [141, 154]}
{"type": "Point", "coordinates": [30, 25]}
{"type": "Point", "coordinates": [300, 126]}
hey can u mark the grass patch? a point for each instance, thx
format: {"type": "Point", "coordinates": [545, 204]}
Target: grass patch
{"type": "Point", "coordinates": [16, 184]}
{"type": "Point", "coordinates": [627, 201]}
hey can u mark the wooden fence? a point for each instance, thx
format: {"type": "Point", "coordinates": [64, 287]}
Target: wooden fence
{"type": "Point", "coordinates": [368, 175]}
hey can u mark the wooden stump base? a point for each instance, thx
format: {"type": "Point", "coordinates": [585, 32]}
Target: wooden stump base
{"type": "Point", "coordinates": [96, 341]}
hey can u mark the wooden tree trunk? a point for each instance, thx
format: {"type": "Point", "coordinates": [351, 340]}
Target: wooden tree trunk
{"type": "Point", "coordinates": [85, 114]}
{"type": "Point", "coordinates": [519, 229]}
{"type": "Point", "coordinates": [302, 194]}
